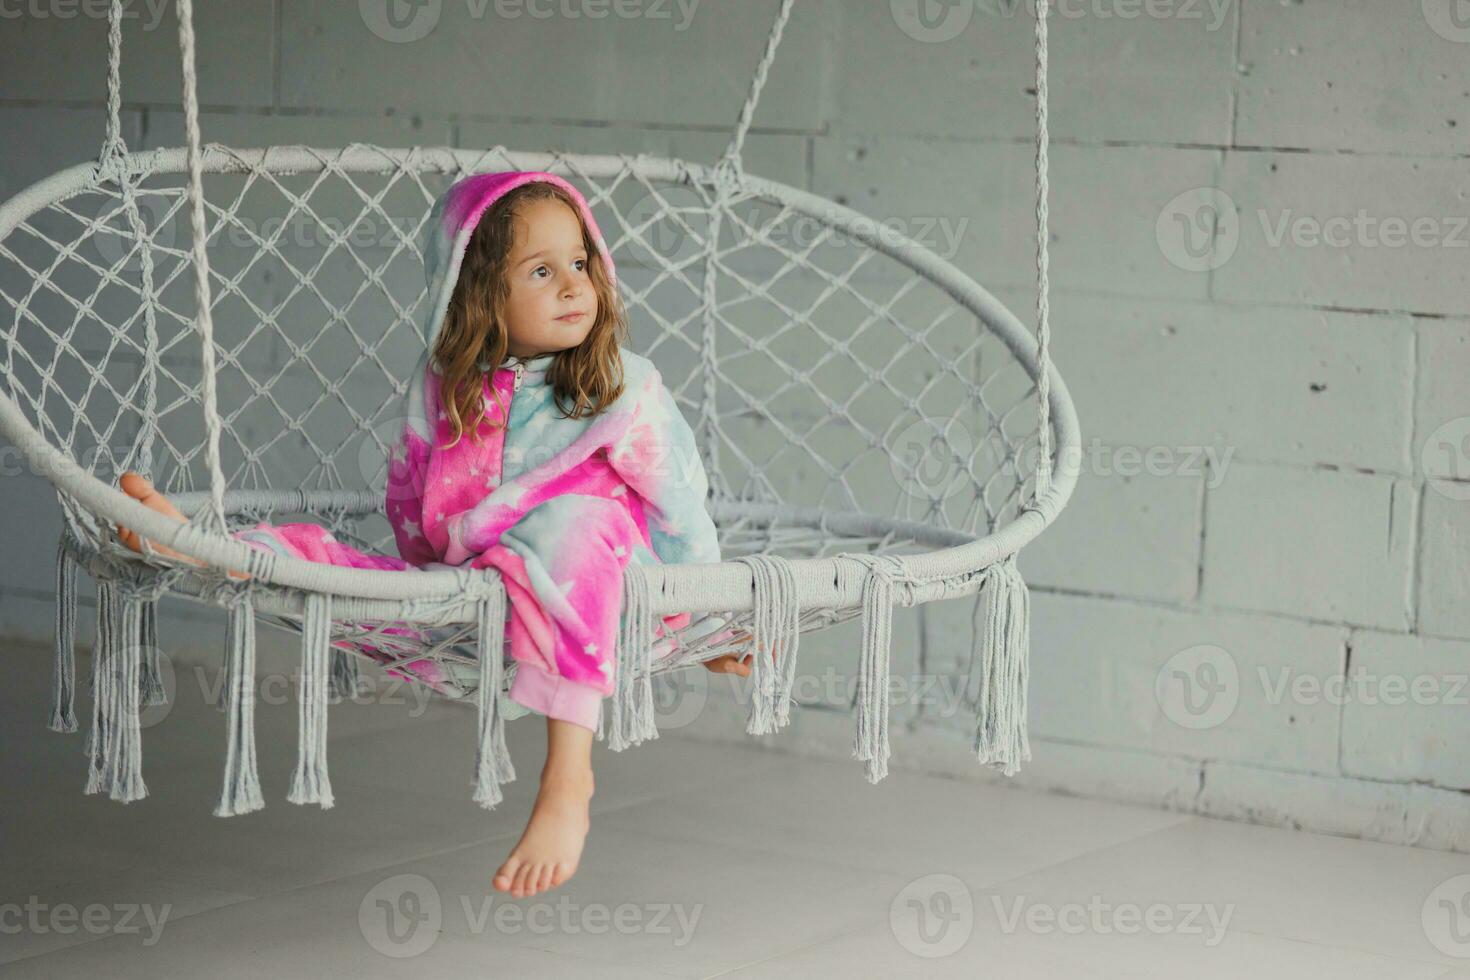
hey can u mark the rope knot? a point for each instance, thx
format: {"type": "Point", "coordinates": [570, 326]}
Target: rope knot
{"type": "Point", "coordinates": [145, 587]}
{"type": "Point", "coordinates": [233, 593]}
{"type": "Point", "coordinates": [478, 584]}
{"type": "Point", "coordinates": [728, 177]}
{"type": "Point", "coordinates": [887, 569]}
{"type": "Point", "coordinates": [111, 161]}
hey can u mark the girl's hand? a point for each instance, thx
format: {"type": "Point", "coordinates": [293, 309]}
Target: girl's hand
{"type": "Point", "coordinates": [729, 663]}
{"type": "Point", "coordinates": [733, 663]}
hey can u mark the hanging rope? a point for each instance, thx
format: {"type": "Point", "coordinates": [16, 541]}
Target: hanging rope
{"type": "Point", "coordinates": [310, 782]}
{"type": "Point", "coordinates": [241, 791]}
{"type": "Point", "coordinates": [1043, 262]}
{"type": "Point", "coordinates": [775, 634]}
{"type": "Point", "coordinates": [633, 706]}
{"type": "Point", "coordinates": [112, 165]}
{"type": "Point", "coordinates": [1000, 670]}
{"type": "Point", "coordinates": [727, 175]}
{"type": "Point", "coordinates": [63, 678]}
{"type": "Point", "coordinates": [110, 160]}
{"type": "Point", "coordinates": [493, 766]}
{"type": "Point", "coordinates": [870, 736]}
{"type": "Point", "coordinates": [734, 152]}
{"type": "Point", "coordinates": [215, 516]}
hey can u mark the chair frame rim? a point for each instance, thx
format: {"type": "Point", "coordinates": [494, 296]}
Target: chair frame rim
{"type": "Point", "coordinates": [832, 581]}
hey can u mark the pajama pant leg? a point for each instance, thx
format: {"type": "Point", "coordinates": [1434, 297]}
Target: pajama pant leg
{"type": "Point", "coordinates": [562, 564]}
{"type": "Point", "coordinates": [312, 542]}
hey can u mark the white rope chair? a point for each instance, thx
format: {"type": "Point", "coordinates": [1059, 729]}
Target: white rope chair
{"type": "Point", "coordinates": [877, 428]}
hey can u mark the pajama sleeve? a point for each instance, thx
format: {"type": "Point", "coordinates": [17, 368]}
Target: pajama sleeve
{"type": "Point", "coordinates": [657, 457]}
{"type": "Point", "coordinates": [408, 467]}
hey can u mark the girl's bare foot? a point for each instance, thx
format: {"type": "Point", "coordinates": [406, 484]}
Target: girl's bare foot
{"type": "Point", "coordinates": [551, 845]}
{"type": "Point", "coordinates": [136, 485]}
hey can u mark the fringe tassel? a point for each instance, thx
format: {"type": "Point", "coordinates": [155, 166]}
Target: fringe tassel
{"type": "Point", "coordinates": [870, 739]}
{"type": "Point", "coordinates": [1000, 729]}
{"type": "Point", "coordinates": [633, 705]}
{"type": "Point", "coordinates": [776, 633]}
{"type": "Point", "coordinates": [241, 792]}
{"type": "Point", "coordinates": [310, 782]}
{"type": "Point", "coordinates": [124, 776]}
{"type": "Point", "coordinates": [63, 677]}
{"type": "Point", "coordinates": [346, 675]}
{"type": "Point", "coordinates": [492, 758]}
{"type": "Point", "coordinates": [152, 682]}
{"type": "Point", "coordinates": [98, 747]}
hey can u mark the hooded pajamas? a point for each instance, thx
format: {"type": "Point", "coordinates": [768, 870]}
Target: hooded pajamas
{"type": "Point", "coordinates": [559, 506]}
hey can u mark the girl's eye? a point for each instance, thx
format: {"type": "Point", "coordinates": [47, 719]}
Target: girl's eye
{"type": "Point", "coordinates": [542, 268]}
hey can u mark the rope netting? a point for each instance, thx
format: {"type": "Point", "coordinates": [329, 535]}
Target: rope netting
{"type": "Point", "coordinates": [830, 377]}
{"type": "Point", "coordinates": [854, 396]}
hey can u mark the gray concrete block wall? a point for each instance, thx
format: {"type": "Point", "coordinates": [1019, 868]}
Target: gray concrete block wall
{"type": "Point", "coordinates": [1275, 409]}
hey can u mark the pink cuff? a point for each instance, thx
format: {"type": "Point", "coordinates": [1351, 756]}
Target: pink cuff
{"type": "Point", "coordinates": [555, 696]}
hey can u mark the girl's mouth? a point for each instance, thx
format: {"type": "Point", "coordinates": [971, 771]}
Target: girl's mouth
{"type": "Point", "coordinates": [571, 317]}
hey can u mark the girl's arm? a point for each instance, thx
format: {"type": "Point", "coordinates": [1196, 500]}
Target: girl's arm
{"type": "Point", "coordinates": [658, 458]}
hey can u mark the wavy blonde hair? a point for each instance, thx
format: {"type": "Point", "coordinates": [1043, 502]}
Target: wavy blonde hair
{"type": "Point", "coordinates": [585, 379]}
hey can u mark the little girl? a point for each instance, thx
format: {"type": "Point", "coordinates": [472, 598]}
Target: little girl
{"type": "Point", "coordinates": [534, 443]}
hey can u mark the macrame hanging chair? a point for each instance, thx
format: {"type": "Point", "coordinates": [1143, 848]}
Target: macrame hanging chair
{"type": "Point", "coordinates": [876, 427]}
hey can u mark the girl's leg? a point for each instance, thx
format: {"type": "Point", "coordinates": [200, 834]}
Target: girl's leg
{"type": "Point", "coordinates": [137, 486]}
{"type": "Point", "coordinates": [310, 542]}
{"type": "Point", "coordinates": [551, 845]}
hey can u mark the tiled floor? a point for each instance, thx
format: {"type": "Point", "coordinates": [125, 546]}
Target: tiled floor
{"type": "Point", "coordinates": [704, 860]}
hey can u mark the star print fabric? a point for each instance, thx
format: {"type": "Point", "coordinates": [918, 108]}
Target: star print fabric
{"type": "Point", "coordinates": [559, 506]}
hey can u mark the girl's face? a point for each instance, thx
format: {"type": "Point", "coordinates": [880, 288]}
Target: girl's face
{"type": "Point", "coordinates": [549, 279]}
